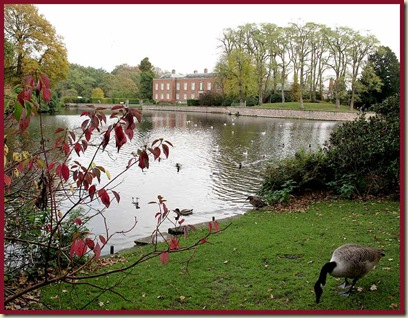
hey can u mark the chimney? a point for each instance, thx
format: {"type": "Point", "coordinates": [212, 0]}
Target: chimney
{"type": "Point", "coordinates": [173, 72]}
{"type": "Point", "coordinates": [195, 72]}
{"type": "Point", "coordinates": [205, 71]}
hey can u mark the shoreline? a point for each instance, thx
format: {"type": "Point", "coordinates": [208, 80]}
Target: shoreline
{"type": "Point", "coordinates": [148, 239]}
{"type": "Point", "coordinates": [245, 111]}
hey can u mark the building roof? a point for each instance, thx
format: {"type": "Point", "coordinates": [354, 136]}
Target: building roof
{"type": "Point", "coordinates": [200, 75]}
{"type": "Point", "coordinates": [173, 74]}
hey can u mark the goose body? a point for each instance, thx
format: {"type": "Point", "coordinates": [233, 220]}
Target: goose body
{"type": "Point", "coordinates": [256, 202]}
{"type": "Point", "coordinates": [351, 261]}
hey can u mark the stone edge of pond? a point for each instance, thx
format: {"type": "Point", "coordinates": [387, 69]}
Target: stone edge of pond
{"type": "Point", "coordinates": [148, 239]}
{"type": "Point", "coordinates": [258, 112]}
{"type": "Point", "coordinates": [247, 111]}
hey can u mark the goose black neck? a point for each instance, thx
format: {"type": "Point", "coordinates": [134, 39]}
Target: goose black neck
{"type": "Point", "coordinates": [326, 269]}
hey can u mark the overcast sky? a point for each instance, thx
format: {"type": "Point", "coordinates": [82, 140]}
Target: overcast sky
{"type": "Point", "coordinates": [185, 37]}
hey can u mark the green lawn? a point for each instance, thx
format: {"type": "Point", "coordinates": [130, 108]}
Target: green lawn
{"type": "Point", "coordinates": [307, 106]}
{"type": "Point", "coordinates": [263, 261]}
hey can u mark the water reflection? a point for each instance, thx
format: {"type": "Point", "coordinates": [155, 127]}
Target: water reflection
{"type": "Point", "coordinates": [221, 160]}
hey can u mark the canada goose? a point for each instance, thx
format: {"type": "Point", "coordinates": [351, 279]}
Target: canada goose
{"type": "Point", "coordinates": [349, 261]}
{"type": "Point", "coordinates": [256, 202]}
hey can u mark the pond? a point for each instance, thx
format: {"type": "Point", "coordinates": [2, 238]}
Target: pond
{"type": "Point", "coordinates": [221, 158]}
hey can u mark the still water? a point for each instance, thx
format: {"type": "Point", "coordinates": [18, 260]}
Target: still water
{"type": "Point", "coordinates": [209, 149]}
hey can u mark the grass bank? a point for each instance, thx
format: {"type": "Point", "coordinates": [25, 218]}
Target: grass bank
{"type": "Point", "coordinates": [307, 106]}
{"type": "Point", "coordinates": [264, 260]}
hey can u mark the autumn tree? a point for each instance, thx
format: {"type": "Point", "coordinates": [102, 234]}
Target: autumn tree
{"type": "Point", "coordinates": [361, 46]}
{"type": "Point", "coordinates": [239, 68]}
{"type": "Point", "coordinates": [36, 45]}
{"type": "Point", "coordinates": [97, 93]}
{"type": "Point", "coordinates": [280, 48]}
{"type": "Point", "coordinates": [46, 241]}
{"type": "Point", "coordinates": [256, 42]}
{"type": "Point", "coordinates": [339, 41]}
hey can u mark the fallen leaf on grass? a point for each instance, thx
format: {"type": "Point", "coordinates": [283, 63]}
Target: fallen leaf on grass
{"type": "Point", "coordinates": [373, 287]}
{"type": "Point", "coordinates": [182, 298]}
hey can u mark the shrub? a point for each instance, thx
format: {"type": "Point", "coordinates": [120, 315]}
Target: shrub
{"type": "Point", "coordinates": [210, 98]}
{"type": "Point", "coordinates": [364, 154]}
{"type": "Point", "coordinates": [193, 102]}
{"type": "Point", "coordinates": [252, 101]}
{"type": "Point", "coordinates": [305, 171]}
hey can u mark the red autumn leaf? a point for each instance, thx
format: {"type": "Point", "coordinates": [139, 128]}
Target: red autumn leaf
{"type": "Point", "coordinates": [156, 141]}
{"type": "Point", "coordinates": [78, 221]}
{"type": "Point", "coordinates": [88, 134]}
{"type": "Point", "coordinates": [174, 244]}
{"type": "Point", "coordinates": [166, 150]}
{"type": "Point", "coordinates": [45, 80]}
{"type": "Point", "coordinates": [130, 162]}
{"type": "Point", "coordinates": [181, 221]}
{"type": "Point", "coordinates": [136, 113]}
{"type": "Point", "coordinates": [106, 138]}
{"type": "Point", "coordinates": [156, 152]}
{"type": "Point", "coordinates": [103, 240]}
{"type": "Point", "coordinates": [119, 136]}
{"type": "Point", "coordinates": [50, 166]}
{"type": "Point", "coordinates": [117, 196]}
{"type": "Point", "coordinates": [25, 95]}
{"type": "Point", "coordinates": [97, 250]}
{"type": "Point", "coordinates": [46, 94]}
{"type": "Point", "coordinates": [129, 132]}
{"type": "Point", "coordinates": [85, 113]}
{"type": "Point", "coordinates": [101, 115]}
{"type": "Point", "coordinates": [78, 247]}
{"type": "Point", "coordinates": [72, 134]}
{"type": "Point", "coordinates": [164, 257]}
{"type": "Point", "coordinates": [203, 240]}
{"type": "Point", "coordinates": [84, 145]}
{"type": "Point", "coordinates": [65, 147]}
{"type": "Point", "coordinates": [166, 141]}
{"type": "Point", "coordinates": [143, 160]}
{"type": "Point", "coordinates": [216, 226]}
{"type": "Point", "coordinates": [90, 243]}
{"type": "Point", "coordinates": [103, 195]}
{"type": "Point", "coordinates": [165, 210]}
{"type": "Point", "coordinates": [62, 171]}
{"type": "Point", "coordinates": [210, 227]}
{"type": "Point", "coordinates": [7, 180]}
{"type": "Point", "coordinates": [78, 148]}
{"type": "Point", "coordinates": [192, 227]}
{"type": "Point", "coordinates": [117, 107]}
{"type": "Point", "coordinates": [58, 130]}
{"type": "Point", "coordinates": [91, 191]}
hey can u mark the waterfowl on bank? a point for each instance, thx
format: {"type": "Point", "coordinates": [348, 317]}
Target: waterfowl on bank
{"type": "Point", "coordinates": [182, 212]}
{"type": "Point", "coordinates": [256, 202]}
{"type": "Point", "coordinates": [349, 261]}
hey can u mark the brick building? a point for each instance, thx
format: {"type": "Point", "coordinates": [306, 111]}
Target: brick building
{"type": "Point", "coordinates": [177, 88]}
